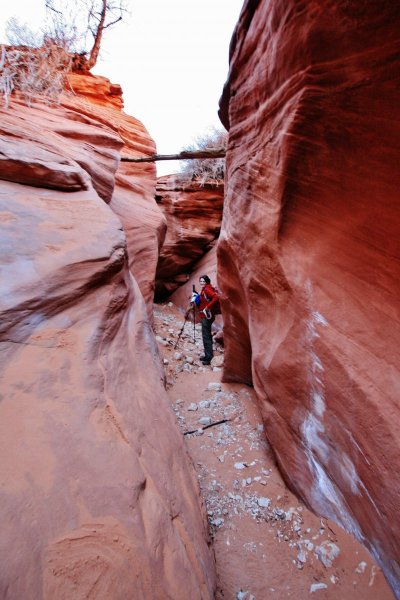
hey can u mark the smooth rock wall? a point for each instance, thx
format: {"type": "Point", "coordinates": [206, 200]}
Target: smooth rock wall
{"type": "Point", "coordinates": [97, 495]}
{"type": "Point", "coordinates": [309, 252]}
{"type": "Point", "coordinates": [193, 212]}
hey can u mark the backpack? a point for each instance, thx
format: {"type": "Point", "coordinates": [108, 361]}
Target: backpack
{"type": "Point", "coordinates": [216, 308]}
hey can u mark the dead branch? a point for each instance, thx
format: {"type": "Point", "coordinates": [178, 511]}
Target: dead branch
{"type": "Point", "coordinates": [184, 155]}
{"type": "Point", "coordinates": [207, 426]}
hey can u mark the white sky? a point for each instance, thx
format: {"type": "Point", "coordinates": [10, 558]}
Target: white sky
{"type": "Point", "coordinates": [171, 59]}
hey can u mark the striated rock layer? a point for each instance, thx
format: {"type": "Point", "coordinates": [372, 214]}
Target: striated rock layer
{"type": "Point", "coordinates": [193, 212]}
{"type": "Point", "coordinates": [133, 195]}
{"type": "Point", "coordinates": [97, 496]}
{"type": "Point", "coordinates": [309, 253]}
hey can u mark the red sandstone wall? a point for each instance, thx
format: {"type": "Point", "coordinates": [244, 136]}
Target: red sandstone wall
{"type": "Point", "coordinates": [133, 195]}
{"type": "Point", "coordinates": [309, 254]}
{"type": "Point", "coordinates": [97, 496]}
{"type": "Point", "coordinates": [193, 213]}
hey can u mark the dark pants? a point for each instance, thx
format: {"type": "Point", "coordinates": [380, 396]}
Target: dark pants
{"type": "Point", "coordinates": [206, 325]}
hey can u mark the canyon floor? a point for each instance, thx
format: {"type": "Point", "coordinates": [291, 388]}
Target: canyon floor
{"type": "Point", "coordinates": [267, 544]}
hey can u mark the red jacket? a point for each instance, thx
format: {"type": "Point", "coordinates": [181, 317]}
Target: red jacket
{"type": "Point", "coordinates": [208, 297]}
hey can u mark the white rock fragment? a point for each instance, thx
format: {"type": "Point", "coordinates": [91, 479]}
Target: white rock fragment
{"type": "Point", "coordinates": [302, 557]}
{"type": "Point", "coordinates": [244, 596]}
{"type": "Point", "coordinates": [361, 567]}
{"type": "Point", "coordinates": [165, 361]}
{"type": "Point", "coordinates": [314, 587]}
{"type": "Point", "coordinates": [204, 404]}
{"type": "Point", "coordinates": [192, 407]}
{"type": "Point", "coordinates": [214, 386]}
{"type": "Point", "coordinates": [239, 466]}
{"type": "Point", "coordinates": [204, 421]}
{"type": "Point", "coordinates": [327, 552]}
{"type": "Point", "coordinates": [217, 522]}
{"type": "Point", "coordinates": [221, 458]}
{"type": "Point", "coordinates": [189, 359]}
{"type": "Point", "coordinates": [177, 355]}
{"type": "Point", "coordinates": [263, 502]}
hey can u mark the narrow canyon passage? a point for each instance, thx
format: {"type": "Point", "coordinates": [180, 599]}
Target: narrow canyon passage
{"type": "Point", "coordinates": [266, 543]}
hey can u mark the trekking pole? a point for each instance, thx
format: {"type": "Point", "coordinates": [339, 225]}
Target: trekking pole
{"type": "Point", "coordinates": [183, 327]}
{"type": "Point", "coordinates": [194, 323]}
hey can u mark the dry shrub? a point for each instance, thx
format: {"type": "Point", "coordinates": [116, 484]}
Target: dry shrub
{"type": "Point", "coordinates": [205, 170]}
{"type": "Point", "coordinates": [33, 71]}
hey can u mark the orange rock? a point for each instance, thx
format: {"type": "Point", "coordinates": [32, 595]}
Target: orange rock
{"type": "Point", "coordinates": [310, 248]}
{"type": "Point", "coordinates": [133, 196]}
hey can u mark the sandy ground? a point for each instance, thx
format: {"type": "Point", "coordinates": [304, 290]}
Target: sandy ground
{"type": "Point", "coordinates": [267, 544]}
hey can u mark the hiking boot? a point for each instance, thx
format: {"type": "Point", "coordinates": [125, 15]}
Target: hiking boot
{"type": "Point", "coordinates": [206, 361]}
{"type": "Point", "coordinates": [202, 357]}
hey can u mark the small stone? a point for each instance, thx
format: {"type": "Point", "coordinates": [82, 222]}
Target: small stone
{"type": "Point", "coordinates": [327, 552]}
{"type": "Point", "coordinates": [218, 522]}
{"type": "Point", "coordinates": [192, 407]}
{"type": "Point", "coordinates": [244, 596]}
{"type": "Point", "coordinates": [361, 567]}
{"type": "Point", "coordinates": [204, 404]}
{"type": "Point", "coordinates": [302, 557]}
{"type": "Point", "coordinates": [214, 386]}
{"type": "Point", "coordinates": [239, 466]}
{"type": "Point", "coordinates": [189, 359]}
{"type": "Point", "coordinates": [177, 355]}
{"type": "Point", "coordinates": [263, 502]}
{"type": "Point", "coordinates": [165, 361]}
{"type": "Point", "coordinates": [314, 587]}
{"type": "Point", "coordinates": [221, 458]}
{"type": "Point", "coordinates": [199, 432]}
{"type": "Point", "coordinates": [204, 421]}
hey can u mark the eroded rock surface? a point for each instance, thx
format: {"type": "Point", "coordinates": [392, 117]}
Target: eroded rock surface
{"type": "Point", "coordinates": [97, 496]}
{"type": "Point", "coordinates": [310, 248]}
{"type": "Point", "coordinates": [193, 212]}
{"type": "Point", "coordinates": [133, 195]}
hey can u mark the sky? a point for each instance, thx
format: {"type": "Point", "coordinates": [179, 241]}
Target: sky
{"type": "Point", "coordinates": [171, 59]}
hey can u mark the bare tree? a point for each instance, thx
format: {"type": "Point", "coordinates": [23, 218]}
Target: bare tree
{"type": "Point", "coordinates": [90, 17]}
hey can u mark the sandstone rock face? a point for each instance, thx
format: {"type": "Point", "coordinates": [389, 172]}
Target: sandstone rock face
{"type": "Point", "coordinates": [97, 496]}
{"type": "Point", "coordinates": [133, 196]}
{"type": "Point", "coordinates": [193, 214]}
{"type": "Point", "coordinates": [310, 251]}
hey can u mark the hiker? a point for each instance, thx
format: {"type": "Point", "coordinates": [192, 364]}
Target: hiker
{"type": "Point", "coordinates": [206, 301]}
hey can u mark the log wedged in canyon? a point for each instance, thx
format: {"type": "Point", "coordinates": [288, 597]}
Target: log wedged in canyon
{"type": "Point", "coordinates": [309, 256]}
{"type": "Point", "coordinates": [97, 492]}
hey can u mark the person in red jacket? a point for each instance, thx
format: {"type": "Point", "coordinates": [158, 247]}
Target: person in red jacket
{"type": "Point", "coordinates": [205, 301]}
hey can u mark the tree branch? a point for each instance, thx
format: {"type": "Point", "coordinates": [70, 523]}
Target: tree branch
{"type": "Point", "coordinates": [184, 155]}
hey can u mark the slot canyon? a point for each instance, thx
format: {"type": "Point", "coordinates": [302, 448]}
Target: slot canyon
{"type": "Point", "coordinates": [128, 469]}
